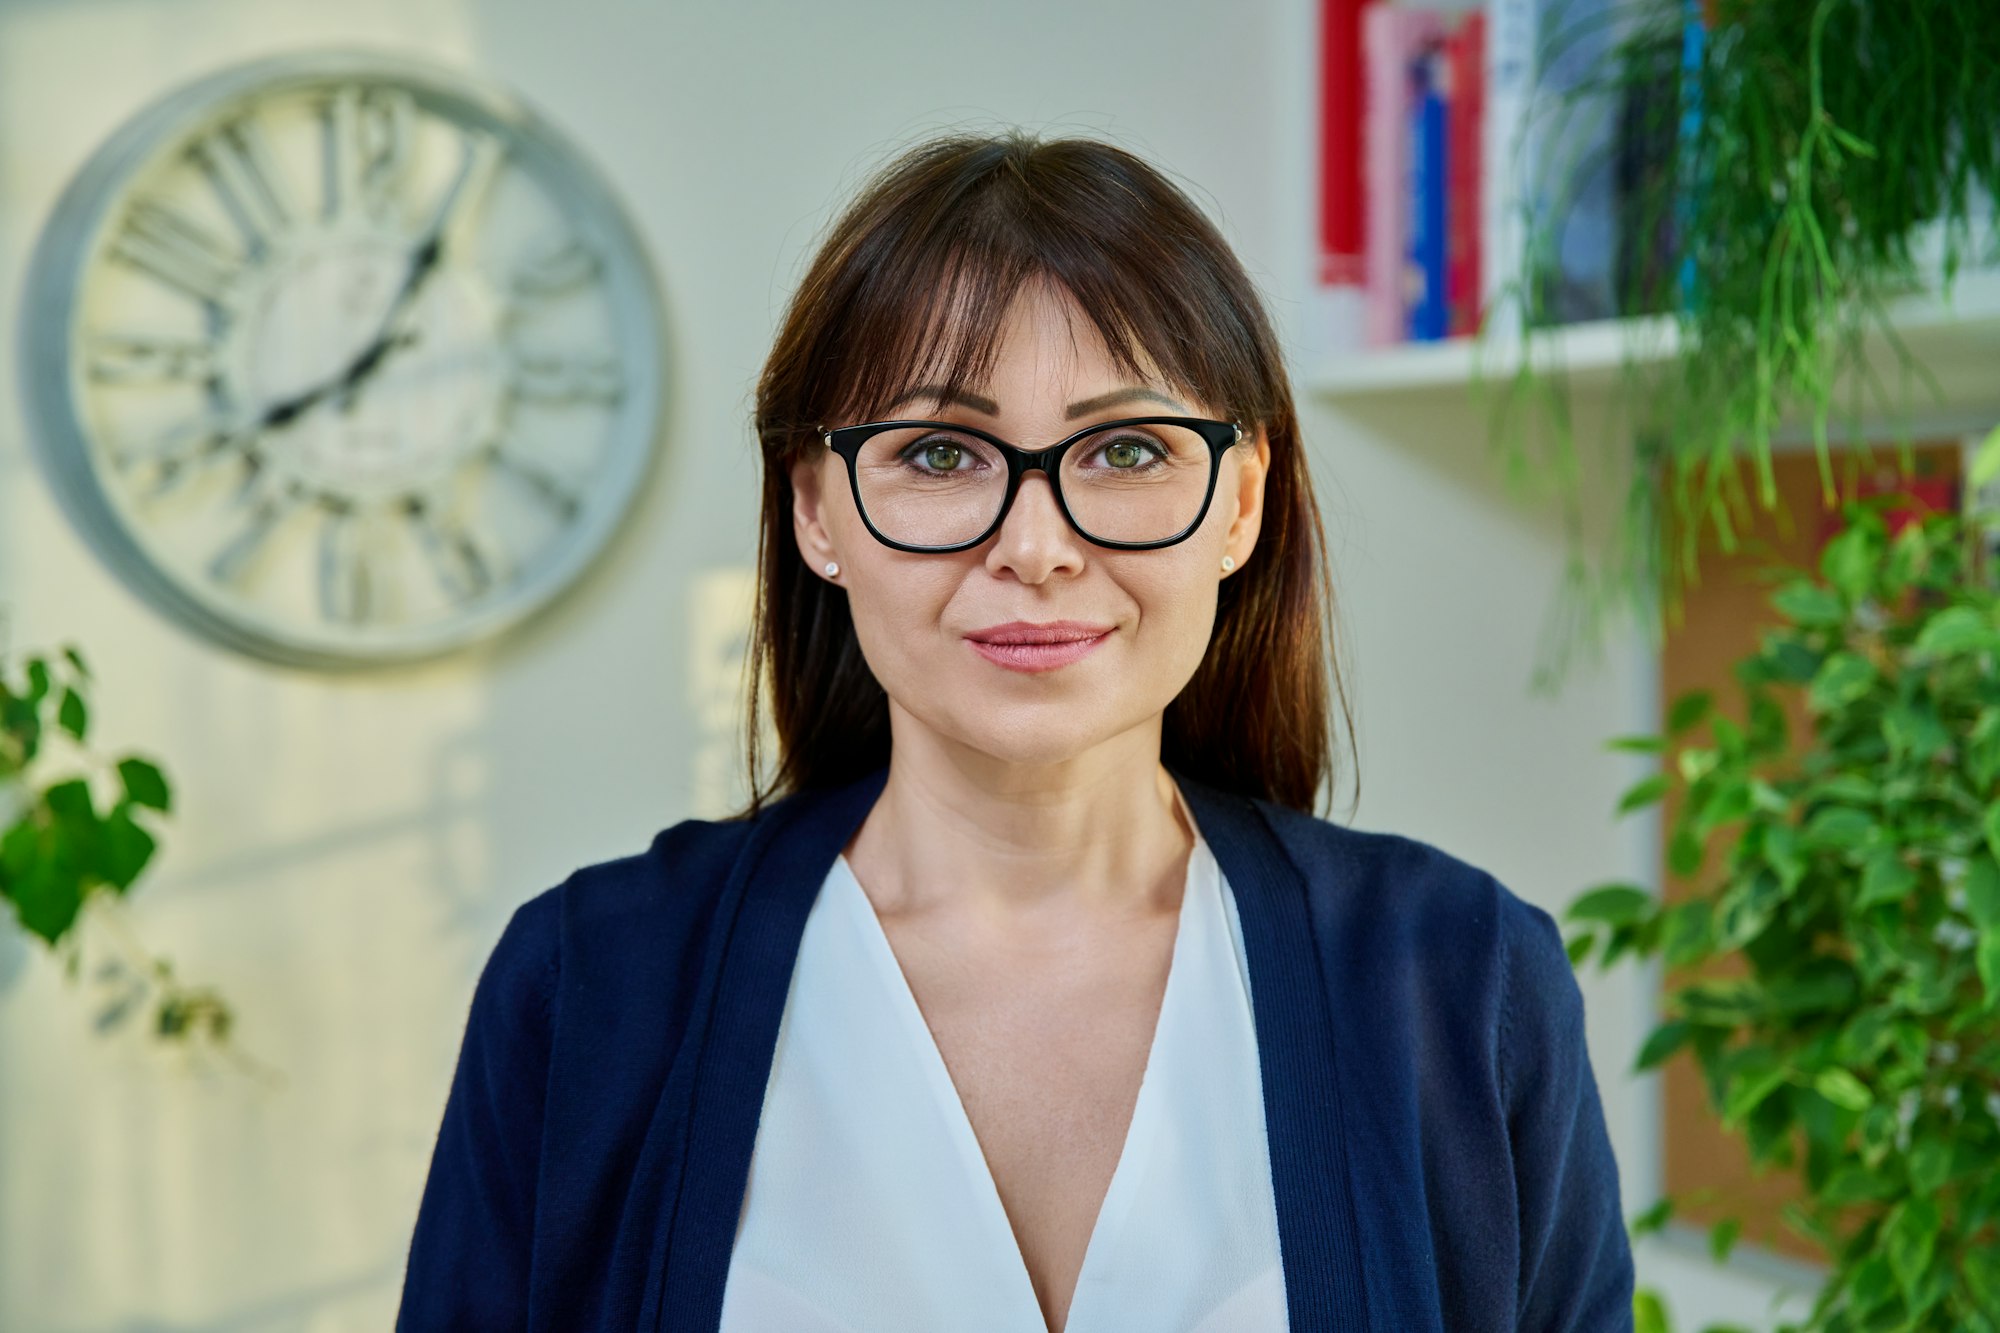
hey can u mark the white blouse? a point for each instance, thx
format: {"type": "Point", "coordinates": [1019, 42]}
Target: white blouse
{"type": "Point", "coordinates": [870, 1207]}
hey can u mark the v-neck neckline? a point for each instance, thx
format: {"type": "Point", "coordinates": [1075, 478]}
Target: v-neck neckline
{"type": "Point", "coordinates": [700, 1148]}
{"type": "Point", "coordinates": [1140, 1131]}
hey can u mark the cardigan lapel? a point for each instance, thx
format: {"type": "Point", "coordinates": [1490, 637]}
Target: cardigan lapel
{"type": "Point", "coordinates": [1310, 1179]}
{"type": "Point", "coordinates": [762, 919]}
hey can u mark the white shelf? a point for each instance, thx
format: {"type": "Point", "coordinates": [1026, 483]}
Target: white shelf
{"type": "Point", "coordinates": [1958, 341]}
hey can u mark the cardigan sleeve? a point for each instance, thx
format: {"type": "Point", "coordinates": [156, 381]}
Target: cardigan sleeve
{"type": "Point", "coordinates": [1576, 1259]}
{"type": "Point", "coordinates": [469, 1254]}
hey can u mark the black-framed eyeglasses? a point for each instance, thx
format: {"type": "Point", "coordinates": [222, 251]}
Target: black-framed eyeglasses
{"type": "Point", "coordinates": [1133, 484]}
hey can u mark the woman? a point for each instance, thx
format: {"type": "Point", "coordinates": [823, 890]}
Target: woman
{"type": "Point", "coordinates": [1030, 993]}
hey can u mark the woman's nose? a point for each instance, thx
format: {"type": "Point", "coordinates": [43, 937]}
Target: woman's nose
{"type": "Point", "coordinates": [1035, 533]}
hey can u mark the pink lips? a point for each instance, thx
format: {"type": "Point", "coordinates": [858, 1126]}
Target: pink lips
{"type": "Point", "coordinates": [1023, 646]}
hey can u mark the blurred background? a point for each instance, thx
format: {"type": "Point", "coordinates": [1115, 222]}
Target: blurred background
{"type": "Point", "coordinates": [352, 821]}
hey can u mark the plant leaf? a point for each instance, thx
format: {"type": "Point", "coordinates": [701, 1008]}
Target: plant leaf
{"type": "Point", "coordinates": [1688, 711]}
{"type": "Point", "coordinates": [1664, 1040]}
{"type": "Point", "coordinates": [1653, 1218]}
{"type": "Point", "coordinates": [1810, 604]}
{"type": "Point", "coordinates": [1843, 1089]}
{"type": "Point", "coordinates": [1612, 904]}
{"type": "Point", "coordinates": [1986, 460]}
{"type": "Point", "coordinates": [125, 849]}
{"type": "Point", "coordinates": [1958, 629]}
{"type": "Point", "coordinates": [71, 714]}
{"type": "Point", "coordinates": [144, 784]}
{"type": "Point", "coordinates": [1643, 793]}
{"type": "Point", "coordinates": [1841, 679]}
{"type": "Point", "coordinates": [1912, 1231]}
{"type": "Point", "coordinates": [1982, 891]}
{"type": "Point", "coordinates": [1886, 878]}
{"type": "Point", "coordinates": [1649, 1312]}
{"type": "Point", "coordinates": [1987, 960]}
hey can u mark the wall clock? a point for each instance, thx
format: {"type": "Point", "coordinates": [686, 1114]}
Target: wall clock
{"type": "Point", "coordinates": [341, 358]}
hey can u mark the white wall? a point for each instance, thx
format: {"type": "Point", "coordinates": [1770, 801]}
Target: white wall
{"type": "Point", "coordinates": [345, 852]}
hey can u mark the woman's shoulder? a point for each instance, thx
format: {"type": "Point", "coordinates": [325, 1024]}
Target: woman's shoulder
{"type": "Point", "coordinates": [1404, 902]}
{"type": "Point", "coordinates": [639, 907]}
{"type": "Point", "coordinates": [1405, 881]}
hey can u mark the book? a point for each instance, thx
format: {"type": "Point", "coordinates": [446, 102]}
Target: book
{"type": "Point", "coordinates": [1390, 37]}
{"type": "Point", "coordinates": [1342, 220]}
{"type": "Point", "coordinates": [1426, 312]}
{"type": "Point", "coordinates": [1465, 52]}
{"type": "Point", "coordinates": [1553, 106]}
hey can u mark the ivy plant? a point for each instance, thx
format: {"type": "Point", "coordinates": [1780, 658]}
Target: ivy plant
{"type": "Point", "coordinates": [1783, 167]}
{"type": "Point", "coordinates": [1858, 878]}
{"type": "Point", "coordinates": [62, 845]}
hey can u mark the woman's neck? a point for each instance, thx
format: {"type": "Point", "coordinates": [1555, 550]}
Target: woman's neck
{"type": "Point", "coordinates": [1104, 832]}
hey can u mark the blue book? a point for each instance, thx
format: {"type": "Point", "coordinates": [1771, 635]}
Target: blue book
{"type": "Point", "coordinates": [1425, 299]}
{"type": "Point", "coordinates": [1694, 42]}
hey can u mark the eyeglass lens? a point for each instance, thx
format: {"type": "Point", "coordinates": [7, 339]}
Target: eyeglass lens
{"type": "Point", "coordinates": [931, 486]}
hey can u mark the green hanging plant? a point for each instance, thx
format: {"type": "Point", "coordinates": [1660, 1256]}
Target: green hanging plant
{"type": "Point", "coordinates": [1861, 885]}
{"type": "Point", "coordinates": [62, 850]}
{"type": "Point", "coordinates": [1796, 168]}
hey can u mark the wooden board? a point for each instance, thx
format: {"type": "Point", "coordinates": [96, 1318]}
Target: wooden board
{"type": "Point", "coordinates": [1725, 612]}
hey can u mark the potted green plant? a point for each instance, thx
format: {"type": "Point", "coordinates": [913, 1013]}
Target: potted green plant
{"type": "Point", "coordinates": [1808, 162]}
{"type": "Point", "coordinates": [1861, 1046]}
{"type": "Point", "coordinates": [72, 839]}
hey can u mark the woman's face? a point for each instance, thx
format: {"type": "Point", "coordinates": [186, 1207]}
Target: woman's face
{"type": "Point", "coordinates": [916, 614]}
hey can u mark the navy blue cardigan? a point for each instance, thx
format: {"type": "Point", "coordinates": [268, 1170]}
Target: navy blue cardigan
{"type": "Point", "coordinates": [1438, 1151]}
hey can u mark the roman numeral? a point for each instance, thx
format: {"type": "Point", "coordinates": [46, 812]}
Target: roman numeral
{"type": "Point", "coordinates": [368, 136]}
{"type": "Point", "coordinates": [567, 378]}
{"type": "Point", "coordinates": [183, 452]}
{"type": "Point", "coordinates": [237, 161]}
{"type": "Point", "coordinates": [178, 251]}
{"type": "Point", "coordinates": [233, 561]}
{"type": "Point", "coordinates": [462, 568]}
{"type": "Point", "coordinates": [555, 271]}
{"type": "Point", "coordinates": [118, 358]}
{"type": "Point", "coordinates": [481, 158]}
{"type": "Point", "coordinates": [546, 488]}
{"type": "Point", "coordinates": [350, 586]}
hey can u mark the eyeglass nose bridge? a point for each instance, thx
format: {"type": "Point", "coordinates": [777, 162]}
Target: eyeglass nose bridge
{"type": "Point", "coordinates": [1048, 462]}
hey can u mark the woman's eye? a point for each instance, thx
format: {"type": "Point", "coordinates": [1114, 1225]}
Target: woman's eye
{"type": "Point", "coordinates": [1129, 451]}
{"type": "Point", "coordinates": [941, 455]}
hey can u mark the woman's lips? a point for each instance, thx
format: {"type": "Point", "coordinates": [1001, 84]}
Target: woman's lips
{"type": "Point", "coordinates": [1037, 656]}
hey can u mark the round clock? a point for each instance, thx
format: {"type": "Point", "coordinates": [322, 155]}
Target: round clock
{"type": "Point", "coordinates": [342, 358]}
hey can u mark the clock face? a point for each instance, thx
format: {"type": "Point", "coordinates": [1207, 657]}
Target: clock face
{"type": "Point", "coordinates": [342, 359]}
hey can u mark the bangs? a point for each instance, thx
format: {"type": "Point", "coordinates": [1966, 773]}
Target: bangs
{"type": "Point", "coordinates": [924, 304]}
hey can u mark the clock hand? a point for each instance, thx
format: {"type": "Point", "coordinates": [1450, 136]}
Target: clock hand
{"type": "Point", "coordinates": [476, 154]}
{"type": "Point", "coordinates": [286, 410]}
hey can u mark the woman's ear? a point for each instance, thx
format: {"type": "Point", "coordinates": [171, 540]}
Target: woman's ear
{"type": "Point", "coordinates": [808, 524]}
{"type": "Point", "coordinates": [1248, 519]}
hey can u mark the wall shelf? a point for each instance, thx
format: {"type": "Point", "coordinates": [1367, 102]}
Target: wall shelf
{"type": "Point", "coordinates": [1958, 340]}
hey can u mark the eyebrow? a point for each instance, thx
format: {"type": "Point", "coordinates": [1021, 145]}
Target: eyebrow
{"type": "Point", "coordinates": [1129, 394]}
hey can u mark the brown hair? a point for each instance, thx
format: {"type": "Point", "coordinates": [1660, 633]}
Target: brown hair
{"type": "Point", "coordinates": [912, 283]}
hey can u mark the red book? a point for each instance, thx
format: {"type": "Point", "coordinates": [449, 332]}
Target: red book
{"type": "Point", "coordinates": [1342, 235]}
{"type": "Point", "coordinates": [1465, 130]}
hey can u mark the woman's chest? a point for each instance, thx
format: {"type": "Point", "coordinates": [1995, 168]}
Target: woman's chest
{"type": "Point", "coordinates": [1047, 1058]}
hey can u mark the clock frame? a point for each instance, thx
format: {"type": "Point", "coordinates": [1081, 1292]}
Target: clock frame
{"type": "Point", "coordinates": [342, 358]}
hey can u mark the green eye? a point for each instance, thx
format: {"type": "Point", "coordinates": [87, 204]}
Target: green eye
{"type": "Point", "coordinates": [1124, 454]}
{"type": "Point", "coordinates": [943, 457]}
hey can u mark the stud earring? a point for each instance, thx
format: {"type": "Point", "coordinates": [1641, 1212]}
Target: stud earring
{"type": "Point", "coordinates": [1228, 563]}
{"type": "Point", "coordinates": [832, 569]}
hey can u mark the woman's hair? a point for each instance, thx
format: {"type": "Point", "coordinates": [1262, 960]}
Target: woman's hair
{"type": "Point", "coordinates": [911, 285]}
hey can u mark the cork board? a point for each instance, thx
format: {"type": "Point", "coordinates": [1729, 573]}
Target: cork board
{"type": "Point", "coordinates": [1725, 611]}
